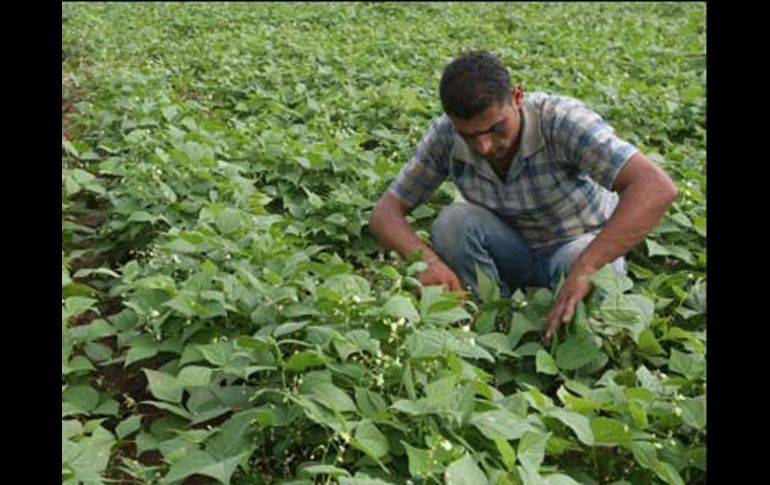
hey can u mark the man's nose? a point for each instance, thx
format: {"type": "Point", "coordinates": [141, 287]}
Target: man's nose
{"type": "Point", "coordinates": [483, 144]}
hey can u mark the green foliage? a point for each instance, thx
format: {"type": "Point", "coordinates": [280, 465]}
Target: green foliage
{"type": "Point", "coordinates": [225, 309]}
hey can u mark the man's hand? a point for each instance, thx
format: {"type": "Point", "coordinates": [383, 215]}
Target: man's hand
{"type": "Point", "coordinates": [439, 273]}
{"type": "Point", "coordinates": [576, 287]}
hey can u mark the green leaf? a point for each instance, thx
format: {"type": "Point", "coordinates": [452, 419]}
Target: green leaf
{"type": "Point", "coordinates": [484, 322]}
{"type": "Point", "coordinates": [164, 386]}
{"type": "Point", "coordinates": [128, 426]}
{"type": "Point", "coordinates": [228, 221]}
{"type": "Point", "coordinates": [328, 394]}
{"type": "Point", "coordinates": [84, 397]}
{"type": "Point", "coordinates": [694, 412]}
{"type": "Point", "coordinates": [655, 249]}
{"type": "Point", "coordinates": [86, 272]}
{"type": "Point", "coordinates": [488, 288]}
{"type": "Point", "coordinates": [645, 454]}
{"type": "Point", "coordinates": [142, 216]}
{"type": "Point", "coordinates": [507, 454]}
{"type": "Point", "coordinates": [349, 286]}
{"type": "Point", "coordinates": [466, 346]}
{"type": "Point", "coordinates": [337, 219]}
{"type": "Point", "coordinates": [75, 305]}
{"type": "Point", "coordinates": [326, 470]}
{"type": "Point", "coordinates": [194, 376]}
{"type": "Point", "coordinates": [531, 450]}
{"type": "Point", "coordinates": [157, 282]}
{"type": "Point", "coordinates": [167, 192]}
{"type": "Point", "coordinates": [446, 317]}
{"type": "Point", "coordinates": [370, 440]}
{"type": "Point", "coordinates": [425, 343]}
{"type": "Point", "coordinates": [234, 436]}
{"type": "Point", "coordinates": [420, 461]}
{"type": "Point", "coordinates": [638, 414]}
{"type": "Point", "coordinates": [668, 473]}
{"type": "Point", "coordinates": [89, 457]}
{"type": "Point", "coordinates": [98, 352]}
{"type": "Point", "coordinates": [399, 306]}
{"type": "Point", "coordinates": [687, 364]}
{"type": "Point", "coordinates": [369, 402]}
{"type": "Point", "coordinates": [358, 479]}
{"type": "Point", "coordinates": [414, 408]}
{"type": "Point", "coordinates": [634, 312]}
{"type": "Point", "coordinates": [575, 352]}
{"type": "Point", "coordinates": [649, 344]}
{"type": "Point", "coordinates": [78, 363]}
{"type": "Point", "coordinates": [217, 354]}
{"type": "Point", "coordinates": [201, 463]}
{"type": "Point", "coordinates": [520, 325]}
{"type": "Point", "coordinates": [560, 479]}
{"type": "Point", "coordinates": [611, 281]}
{"type": "Point", "coordinates": [356, 341]}
{"type": "Point", "coordinates": [501, 424]}
{"type": "Point", "coordinates": [288, 327]}
{"type": "Point", "coordinates": [95, 330]}
{"type": "Point", "coordinates": [464, 471]}
{"type": "Point", "coordinates": [301, 361]}
{"type": "Point", "coordinates": [545, 364]}
{"type": "Point", "coordinates": [498, 342]}
{"type": "Point", "coordinates": [610, 432]}
{"type": "Point", "coordinates": [141, 348]}
{"type": "Point", "coordinates": [577, 422]}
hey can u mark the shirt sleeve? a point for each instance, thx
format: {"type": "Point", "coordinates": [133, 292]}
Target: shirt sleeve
{"type": "Point", "coordinates": [589, 143]}
{"type": "Point", "coordinates": [428, 167]}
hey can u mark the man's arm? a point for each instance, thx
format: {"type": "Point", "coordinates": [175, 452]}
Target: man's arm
{"type": "Point", "coordinates": [389, 225]}
{"type": "Point", "coordinates": [646, 192]}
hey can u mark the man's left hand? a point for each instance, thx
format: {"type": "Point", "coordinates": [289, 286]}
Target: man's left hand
{"type": "Point", "coordinates": [575, 287]}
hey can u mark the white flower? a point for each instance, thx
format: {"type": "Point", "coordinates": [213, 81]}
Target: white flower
{"type": "Point", "coordinates": [154, 314]}
{"type": "Point", "coordinates": [446, 444]}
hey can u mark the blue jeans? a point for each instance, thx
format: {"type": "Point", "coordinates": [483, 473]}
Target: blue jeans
{"type": "Point", "coordinates": [465, 235]}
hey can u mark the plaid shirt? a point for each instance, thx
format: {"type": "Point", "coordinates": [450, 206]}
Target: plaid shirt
{"type": "Point", "coordinates": [559, 185]}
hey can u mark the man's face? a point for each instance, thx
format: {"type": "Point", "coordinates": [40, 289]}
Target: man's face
{"type": "Point", "coordinates": [494, 132]}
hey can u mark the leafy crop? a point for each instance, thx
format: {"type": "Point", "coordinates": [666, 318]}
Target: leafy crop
{"type": "Point", "coordinates": [226, 314]}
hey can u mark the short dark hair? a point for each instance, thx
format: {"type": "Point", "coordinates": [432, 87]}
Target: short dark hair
{"type": "Point", "coordinates": [472, 83]}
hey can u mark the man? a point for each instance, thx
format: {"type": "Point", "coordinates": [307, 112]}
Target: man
{"type": "Point", "coordinates": [541, 177]}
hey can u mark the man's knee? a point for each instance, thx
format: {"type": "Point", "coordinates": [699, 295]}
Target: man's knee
{"type": "Point", "coordinates": [455, 224]}
{"type": "Point", "coordinates": [561, 262]}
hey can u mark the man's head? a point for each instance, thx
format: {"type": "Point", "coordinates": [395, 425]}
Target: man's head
{"type": "Point", "coordinates": [477, 96]}
{"type": "Point", "coordinates": [472, 83]}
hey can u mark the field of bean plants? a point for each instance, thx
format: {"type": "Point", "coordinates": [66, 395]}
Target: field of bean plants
{"type": "Point", "coordinates": [227, 316]}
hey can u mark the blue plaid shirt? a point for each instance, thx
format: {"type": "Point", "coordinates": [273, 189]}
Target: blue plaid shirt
{"type": "Point", "coordinates": [559, 185]}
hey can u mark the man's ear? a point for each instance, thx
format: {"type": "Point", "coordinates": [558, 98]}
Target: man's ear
{"type": "Point", "coordinates": [517, 96]}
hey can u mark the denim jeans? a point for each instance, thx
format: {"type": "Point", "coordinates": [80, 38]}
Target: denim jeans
{"type": "Point", "coordinates": [465, 235]}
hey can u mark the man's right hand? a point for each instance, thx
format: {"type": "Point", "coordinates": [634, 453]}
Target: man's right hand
{"type": "Point", "coordinates": [439, 273]}
{"type": "Point", "coordinates": [389, 225]}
